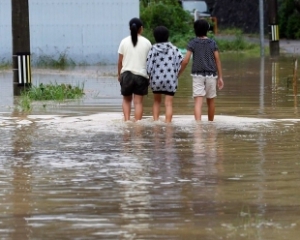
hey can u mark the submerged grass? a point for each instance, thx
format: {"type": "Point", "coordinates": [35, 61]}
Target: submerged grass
{"type": "Point", "coordinates": [60, 60]}
{"type": "Point", "coordinates": [237, 43]}
{"type": "Point", "coordinates": [47, 92]}
{"type": "Point", "coordinates": [5, 64]}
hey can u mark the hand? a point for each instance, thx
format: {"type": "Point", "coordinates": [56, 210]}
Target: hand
{"type": "Point", "coordinates": [119, 78]}
{"type": "Point", "coordinates": [220, 83]}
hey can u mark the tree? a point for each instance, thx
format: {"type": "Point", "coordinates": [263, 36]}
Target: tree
{"type": "Point", "coordinates": [289, 19]}
{"type": "Point", "coordinates": [168, 13]}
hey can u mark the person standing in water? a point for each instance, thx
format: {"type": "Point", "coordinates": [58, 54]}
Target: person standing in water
{"type": "Point", "coordinates": [163, 65]}
{"type": "Point", "coordinates": [206, 69]}
{"type": "Point", "coordinates": [132, 73]}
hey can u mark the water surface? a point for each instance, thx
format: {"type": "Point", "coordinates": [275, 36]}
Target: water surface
{"type": "Point", "coordinates": [75, 170]}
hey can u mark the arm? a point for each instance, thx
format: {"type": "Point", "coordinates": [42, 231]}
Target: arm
{"type": "Point", "coordinates": [120, 59]}
{"type": "Point", "coordinates": [219, 69]}
{"type": "Point", "coordinates": [185, 62]}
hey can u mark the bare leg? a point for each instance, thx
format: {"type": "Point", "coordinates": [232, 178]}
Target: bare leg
{"type": "Point", "coordinates": [211, 108]}
{"type": "Point", "coordinates": [156, 106]}
{"type": "Point", "coordinates": [126, 107]}
{"type": "Point", "coordinates": [138, 107]}
{"type": "Point", "coordinates": [169, 108]}
{"type": "Point", "coordinates": [198, 108]}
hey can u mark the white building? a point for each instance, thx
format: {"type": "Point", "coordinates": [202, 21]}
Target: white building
{"type": "Point", "coordinates": [87, 31]}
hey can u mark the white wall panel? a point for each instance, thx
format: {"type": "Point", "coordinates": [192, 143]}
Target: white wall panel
{"type": "Point", "coordinates": [86, 30]}
{"type": "Point", "coordinates": [5, 31]}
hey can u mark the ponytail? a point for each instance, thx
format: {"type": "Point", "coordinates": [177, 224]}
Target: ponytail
{"type": "Point", "coordinates": [134, 34]}
{"type": "Point", "coordinates": [135, 24]}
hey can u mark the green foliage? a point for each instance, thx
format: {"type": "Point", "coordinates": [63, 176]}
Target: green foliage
{"type": "Point", "coordinates": [25, 103]}
{"type": "Point", "coordinates": [146, 3]}
{"type": "Point", "coordinates": [169, 14]}
{"type": "Point", "coordinates": [5, 64]}
{"type": "Point", "coordinates": [293, 26]}
{"type": "Point", "coordinates": [230, 31]}
{"type": "Point", "coordinates": [181, 40]}
{"type": "Point", "coordinates": [180, 24]}
{"type": "Point", "coordinates": [61, 62]}
{"type": "Point", "coordinates": [289, 19]}
{"type": "Point", "coordinates": [237, 44]}
{"type": "Point", "coordinates": [46, 92]}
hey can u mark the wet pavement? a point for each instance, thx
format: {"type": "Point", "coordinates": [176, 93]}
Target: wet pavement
{"type": "Point", "coordinates": [75, 170]}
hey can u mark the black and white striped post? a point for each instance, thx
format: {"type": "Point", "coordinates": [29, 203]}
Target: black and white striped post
{"type": "Point", "coordinates": [273, 28]}
{"type": "Point", "coordinates": [24, 69]}
{"type": "Point", "coordinates": [20, 45]}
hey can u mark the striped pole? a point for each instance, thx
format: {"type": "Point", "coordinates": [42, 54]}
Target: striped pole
{"type": "Point", "coordinates": [274, 33]}
{"type": "Point", "coordinates": [24, 69]}
{"type": "Point", "coordinates": [273, 28]}
{"type": "Point", "coordinates": [20, 45]}
{"type": "Point", "coordinates": [261, 28]}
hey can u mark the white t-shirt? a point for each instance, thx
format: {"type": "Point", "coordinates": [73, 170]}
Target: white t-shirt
{"type": "Point", "coordinates": [134, 58]}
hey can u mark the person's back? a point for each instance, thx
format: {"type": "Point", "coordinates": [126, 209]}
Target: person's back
{"type": "Point", "coordinates": [203, 56]}
{"type": "Point", "coordinates": [133, 56]}
{"type": "Point", "coordinates": [132, 73]}
{"type": "Point", "coordinates": [163, 65]}
{"type": "Point", "coordinates": [206, 69]}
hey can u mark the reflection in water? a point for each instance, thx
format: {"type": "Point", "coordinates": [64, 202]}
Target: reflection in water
{"type": "Point", "coordinates": [275, 80]}
{"type": "Point", "coordinates": [295, 88]}
{"type": "Point", "coordinates": [134, 181]}
{"type": "Point", "coordinates": [20, 197]}
{"type": "Point", "coordinates": [261, 208]}
{"type": "Point", "coordinates": [262, 85]}
{"type": "Point", "coordinates": [205, 149]}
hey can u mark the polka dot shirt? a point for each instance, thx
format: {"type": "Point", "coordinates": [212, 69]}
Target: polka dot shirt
{"type": "Point", "coordinates": [203, 56]}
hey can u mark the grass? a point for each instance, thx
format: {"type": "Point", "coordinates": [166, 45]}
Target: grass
{"type": "Point", "coordinates": [5, 64]}
{"type": "Point", "coordinates": [46, 92]}
{"type": "Point", "coordinates": [238, 43]}
{"type": "Point", "coordinates": [60, 62]}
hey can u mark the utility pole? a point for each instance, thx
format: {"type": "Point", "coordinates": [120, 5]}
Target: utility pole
{"type": "Point", "coordinates": [273, 28]}
{"type": "Point", "coordinates": [20, 45]}
{"type": "Point", "coordinates": [261, 28]}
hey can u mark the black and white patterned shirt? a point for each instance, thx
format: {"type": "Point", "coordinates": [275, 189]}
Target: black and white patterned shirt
{"type": "Point", "coordinates": [163, 65]}
{"type": "Point", "coordinates": [203, 56]}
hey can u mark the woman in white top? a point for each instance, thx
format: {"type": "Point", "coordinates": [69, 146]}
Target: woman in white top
{"type": "Point", "coordinates": [132, 73]}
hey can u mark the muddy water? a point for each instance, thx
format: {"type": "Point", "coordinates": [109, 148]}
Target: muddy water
{"type": "Point", "coordinates": [75, 170]}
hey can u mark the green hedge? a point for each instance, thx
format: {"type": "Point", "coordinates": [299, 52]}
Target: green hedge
{"type": "Point", "coordinates": [171, 15]}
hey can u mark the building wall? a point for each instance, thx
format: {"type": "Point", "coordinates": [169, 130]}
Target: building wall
{"type": "Point", "coordinates": [87, 31]}
{"type": "Point", "coordinates": [5, 31]}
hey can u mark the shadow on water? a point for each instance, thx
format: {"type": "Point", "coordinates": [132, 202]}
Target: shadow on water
{"type": "Point", "coordinates": [75, 170]}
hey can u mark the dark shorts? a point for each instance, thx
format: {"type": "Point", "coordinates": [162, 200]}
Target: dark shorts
{"type": "Point", "coordinates": [164, 92]}
{"type": "Point", "coordinates": [133, 84]}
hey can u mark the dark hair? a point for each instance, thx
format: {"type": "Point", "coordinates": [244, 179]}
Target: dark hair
{"type": "Point", "coordinates": [161, 34]}
{"type": "Point", "coordinates": [201, 27]}
{"type": "Point", "coordinates": [134, 25]}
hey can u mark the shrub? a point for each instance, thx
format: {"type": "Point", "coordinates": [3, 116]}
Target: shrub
{"type": "Point", "coordinates": [168, 14]}
{"type": "Point", "coordinates": [46, 92]}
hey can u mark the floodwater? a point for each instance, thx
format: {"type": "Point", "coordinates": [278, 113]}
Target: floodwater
{"type": "Point", "coordinates": [75, 170]}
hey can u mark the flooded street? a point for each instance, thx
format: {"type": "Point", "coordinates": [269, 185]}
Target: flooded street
{"type": "Point", "coordinates": [75, 170]}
